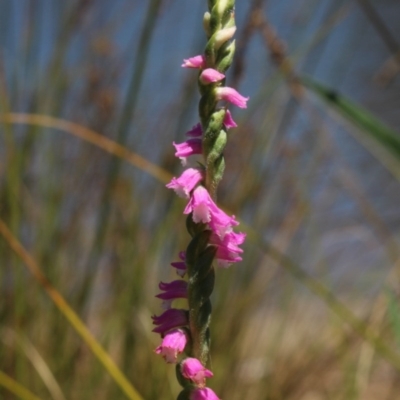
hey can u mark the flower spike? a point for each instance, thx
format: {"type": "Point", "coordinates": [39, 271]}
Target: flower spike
{"type": "Point", "coordinates": [213, 239]}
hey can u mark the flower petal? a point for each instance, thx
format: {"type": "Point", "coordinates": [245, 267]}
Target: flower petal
{"type": "Point", "coordinates": [229, 121]}
{"type": "Point", "coordinates": [186, 182]}
{"type": "Point", "coordinates": [203, 394]}
{"type": "Point", "coordinates": [194, 62]}
{"type": "Point", "coordinates": [173, 343]}
{"type": "Point", "coordinates": [193, 369]}
{"type": "Point", "coordinates": [210, 75]}
{"type": "Point", "coordinates": [231, 95]}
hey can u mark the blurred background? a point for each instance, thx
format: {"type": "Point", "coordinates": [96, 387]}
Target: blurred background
{"type": "Point", "coordinates": [312, 173]}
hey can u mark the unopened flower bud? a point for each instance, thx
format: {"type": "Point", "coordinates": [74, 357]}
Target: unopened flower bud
{"type": "Point", "coordinates": [210, 75]}
{"type": "Point", "coordinates": [223, 36]}
{"type": "Point", "coordinates": [206, 23]}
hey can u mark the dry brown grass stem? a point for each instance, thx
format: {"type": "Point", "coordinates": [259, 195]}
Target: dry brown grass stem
{"type": "Point", "coordinates": [90, 136]}
{"type": "Point", "coordinates": [15, 388]}
{"type": "Point", "coordinates": [68, 312]}
{"type": "Point", "coordinates": [13, 338]}
{"type": "Point", "coordinates": [370, 330]}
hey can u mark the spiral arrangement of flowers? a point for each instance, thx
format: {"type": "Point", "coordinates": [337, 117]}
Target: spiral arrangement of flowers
{"type": "Point", "coordinates": [213, 239]}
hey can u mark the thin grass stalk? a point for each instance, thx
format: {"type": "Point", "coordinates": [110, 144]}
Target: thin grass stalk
{"type": "Point", "coordinates": [69, 314]}
{"type": "Point", "coordinates": [343, 312]}
{"type": "Point", "coordinates": [16, 388]}
{"type": "Point", "coordinates": [124, 125]}
{"type": "Point", "coordinates": [12, 206]}
{"type": "Point", "coordinates": [90, 136]}
{"type": "Point", "coordinates": [12, 339]}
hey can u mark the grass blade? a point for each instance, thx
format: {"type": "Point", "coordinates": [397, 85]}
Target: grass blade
{"type": "Point", "coordinates": [394, 315]}
{"type": "Point", "coordinates": [15, 388]}
{"type": "Point", "coordinates": [90, 136]}
{"type": "Point", "coordinates": [357, 115]}
{"type": "Point", "coordinates": [69, 313]}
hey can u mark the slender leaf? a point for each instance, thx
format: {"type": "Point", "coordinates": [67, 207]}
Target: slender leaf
{"type": "Point", "coordinates": [358, 115]}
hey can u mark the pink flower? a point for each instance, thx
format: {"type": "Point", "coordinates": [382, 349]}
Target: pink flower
{"type": "Point", "coordinates": [194, 62]}
{"type": "Point", "coordinates": [174, 343]}
{"type": "Point", "coordinates": [228, 248]}
{"type": "Point", "coordinates": [170, 319]}
{"type": "Point", "coordinates": [228, 120]}
{"type": "Point", "coordinates": [172, 290]}
{"type": "Point", "coordinates": [192, 369]}
{"type": "Point", "coordinates": [186, 182]}
{"type": "Point", "coordinates": [203, 394]}
{"type": "Point", "coordinates": [231, 241]}
{"type": "Point", "coordinates": [222, 223]}
{"type": "Point", "coordinates": [231, 95]}
{"type": "Point", "coordinates": [196, 131]}
{"type": "Point", "coordinates": [225, 258]}
{"type": "Point", "coordinates": [180, 265]}
{"type": "Point", "coordinates": [182, 255]}
{"type": "Point", "coordinates": [206, 211]}
{"type": "Point", "coordinates": [188, 148]}
{"type": "Point", "coordinates": [210, 75]}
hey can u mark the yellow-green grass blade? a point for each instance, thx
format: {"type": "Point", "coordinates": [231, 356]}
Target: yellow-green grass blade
{"type": "Point", "coordinates": [16, 388]}
{"type": "Point", "coordinates": [69, 313]}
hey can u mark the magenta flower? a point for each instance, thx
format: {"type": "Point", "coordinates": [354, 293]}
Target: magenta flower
{"type": "Point", "coordinates": [188, 148]}
{"type": "Point", "coordinates": [231, 95]}
{"type": "Point", "coordinates": [199, 204]}
{"type": "Point", "coordinates": [228, 120]}
{"type": "Point", "coordinates": [225, 258]}
{"type": "Point", "coordinates": [172, 290]}
{"type": "Point", "coordinates": [222, 223]}
{"type": "Point", "coordinates": [182, 255]}
{"type": "Point", "coordinates": [170, 319]}
{"type": "Point", "coordinates": [194, 62]}
{"type": "Point", "coordinates": [196, 131]}
{"type": "Point", "coordinates": [174, 343]}
{"type": "Point", "coordinates": [180, 265]}
{"type": "Point", "coordinates": [205, 210]}
{"type": "Point", "coordinates": [228, 248]}
{"type": "Point", "coordinates": [203, 394]}
{"type": "Point", "coordinates": [231, 241]}
{"type": "Point", "coordinates": [210, 75]}
{"type": "Point", "coordinates": [186, 182]}
{"type": "Point", "coordinates": [192, 369]}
